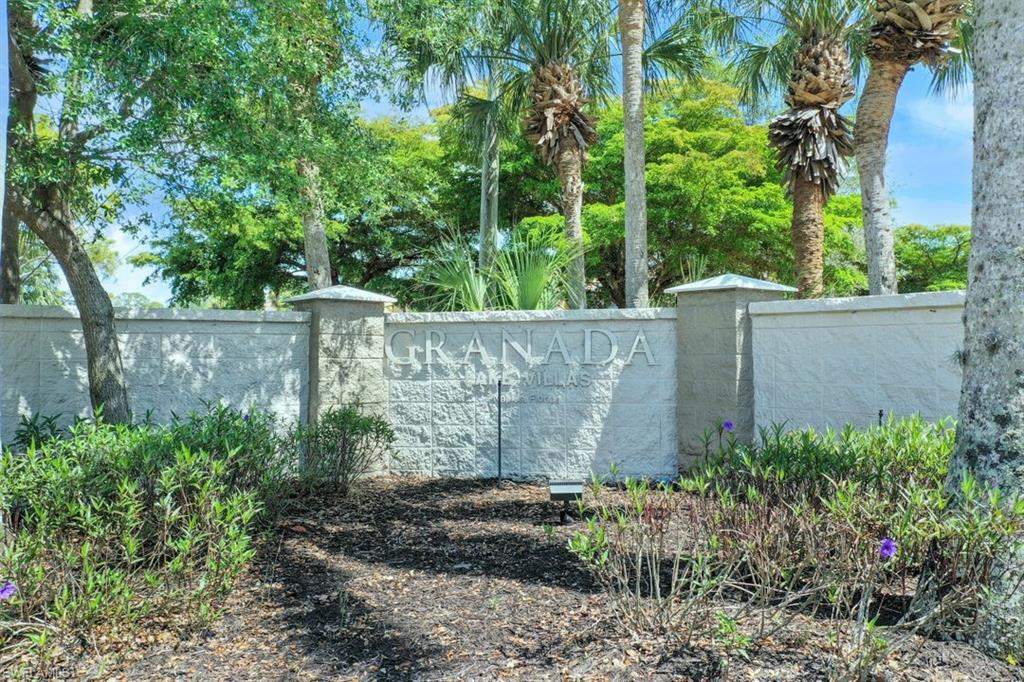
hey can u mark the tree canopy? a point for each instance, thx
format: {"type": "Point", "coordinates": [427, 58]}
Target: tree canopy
{"type": "Point", "coordinates": [712, 190]}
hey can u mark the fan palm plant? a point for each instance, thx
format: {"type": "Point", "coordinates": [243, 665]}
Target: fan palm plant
{"type": "Point", "coordinates": [806, 49]}
{"type": "Point", "coordinates": [937, 33]}
{"type": "Point", "coordinates": [530, 270]}
{"type": "Point", "coordinates": [451, 278]}
{"type": "Point", "coordinates": [527, 272]}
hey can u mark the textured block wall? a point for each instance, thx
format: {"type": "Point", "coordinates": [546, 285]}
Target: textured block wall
{"type": "Point", "coordinates": [173, 360]}
{"type": "Point", "coordinates": [835, 361]}
{"type": "Point", "coordinates": [582, 390]}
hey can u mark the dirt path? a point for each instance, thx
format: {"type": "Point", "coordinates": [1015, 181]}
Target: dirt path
{"type": "Point", "coordinates": [432, 579]}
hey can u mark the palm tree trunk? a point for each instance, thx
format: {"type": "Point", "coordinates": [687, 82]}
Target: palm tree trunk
{"type": "Point", "coordinates": [103, 355]}
{"type": "Point", "coordinates": [808, 237]}
{"type": "Point", "coordinates": [489, 167]}
{"type": "Point", "coordinates": [871, 138]}
{"type": "Point", "coordinates": [990, 431]}
{"type": "Point", "coordinates": [569, 166]}
{"type": "Point", "coordinates": [10, 266]}
{"type": "Point", "coordinates": [631, 25]}
{"type": "Point", "coordinates": [318, 262]}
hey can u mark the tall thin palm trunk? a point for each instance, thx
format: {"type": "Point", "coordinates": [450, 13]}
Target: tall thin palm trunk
{"type": "Point", "coordinates": [318, 262]}
{"type": "Point", "coordinates": [990, 431]}
{"type": "Point", "coordinates": [808, 229]}
{"type": "Point", "coordinates": [871, 139]}
{"type": "Point", "coordinates": [569, 166]}
{"type": "Point", "coordinates": [631, 26]}
{"type": "Point", "coordinates": [490, 165]}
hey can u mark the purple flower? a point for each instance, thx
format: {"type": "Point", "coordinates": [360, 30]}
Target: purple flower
{"type": "Point", "coordinates": [246, 418]}
{"type": "Point", "coordinates": [8, 590]}
{"type": "Point", "coordinates": [888, 548]}
{"type": "Point", "coordinates": [728, 426]}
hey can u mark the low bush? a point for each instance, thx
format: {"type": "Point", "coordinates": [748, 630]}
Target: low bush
{"type": "Point", "coordinates": [107, 528]}
{"type": "Point", "coordinates": [341, 446]}
{"type": "Point", "coordinates": [842, 526]}
{"type": "Point", "coordinates": [115, 525]}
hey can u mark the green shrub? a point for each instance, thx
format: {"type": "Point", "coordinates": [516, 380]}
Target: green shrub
{"type": "Point", "coordinates": [825, 523]}
{"type": "Point", "coordinates": [252, 445]}
{"type": "Point", "coordinates": [115, 526]}
{"type": "Point", "coordinates": [339, 447]}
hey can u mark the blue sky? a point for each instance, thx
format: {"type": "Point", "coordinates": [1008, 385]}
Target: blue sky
{"type": "Point", "coordinates": [929, 169]}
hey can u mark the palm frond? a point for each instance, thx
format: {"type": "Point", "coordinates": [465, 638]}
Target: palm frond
{"type": "Point", "coordinates": [530, 270]}
{"type": "Point", "coordinates": [679, 52]}
{"type": "Point", "coordinates": [953, 73]}
{"type": "Point", "coordinates": [450, 279]}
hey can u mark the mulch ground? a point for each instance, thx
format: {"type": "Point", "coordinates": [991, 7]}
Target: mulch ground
{"type": "Point", "coordinates": [441, 579]}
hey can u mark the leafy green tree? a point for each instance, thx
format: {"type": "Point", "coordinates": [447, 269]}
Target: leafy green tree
{"type": "Point", "coordinates": [115, 79]}
{"type": "Point", "coordinates": [283, 115]}
{"type": "Point", "coordinates": [933, 258]}
{"type": "Point", "coordinates": [229, 248]}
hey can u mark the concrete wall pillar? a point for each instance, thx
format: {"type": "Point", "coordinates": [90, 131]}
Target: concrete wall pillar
{"type": "Point", "coordinates": [715, 358]}
{"type": "Point", "coordinates": [346, 348]}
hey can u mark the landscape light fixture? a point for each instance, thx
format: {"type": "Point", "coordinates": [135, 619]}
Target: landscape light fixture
{"type": "Point", "coordinates": [565, 492]}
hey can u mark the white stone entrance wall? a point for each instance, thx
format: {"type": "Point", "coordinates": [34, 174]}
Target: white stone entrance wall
{"type": "Point", "coordinates": [174, 360]}
{"type": "Point", "coordinates": [838, 361]}
{"type": "Point", "coordinates": [581, 391]}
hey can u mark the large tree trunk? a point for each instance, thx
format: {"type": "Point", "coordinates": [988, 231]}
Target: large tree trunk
{"type": "Point", "coordinates": [631, 25]}
{"type": "Point", "coordinates": [990, 431]}
{"type": "Point", "coordinates": [569, 166]}
{"type": "Point", "coordinates": [490, 164]}
{"type": "Point", "coordinates": [50, 218]}
{"type": "Point", "coordinates": [314, 229]}
{"type": "Point", "coordinates": [808, 237]}
{"type": "Point", "coordinates": [10, 266]}
{"type": "Point", "coordinates": [871, 138]}
{"type": "Point", "coordinates": [106, 374]}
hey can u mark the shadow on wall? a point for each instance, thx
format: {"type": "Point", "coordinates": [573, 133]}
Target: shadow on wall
{"type": "Point", "coordinates": [174, 360]}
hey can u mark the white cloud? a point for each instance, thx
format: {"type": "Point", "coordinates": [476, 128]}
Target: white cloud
{"type": "Point", "coordinates": [943, 115]}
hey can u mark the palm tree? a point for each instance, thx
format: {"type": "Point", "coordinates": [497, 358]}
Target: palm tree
{"type": "Point", "coordinates": [631, 29]}
{"type": "Point", "coordinates": [937, 33]}
{"type": "Point", "coordinates": [558, 55]}
{"type": "Point", "coordinates": [680, 51]}
{"type": "Point", "coordinates": [990, 431]}
{"type": "Point", "coordinates": [808, 56]}
{"type": "Point", "coordinates": [486, 114]}
{"type": "Point", "coordinates": [452, 60]}
{"type": "Point", "coordinates": [562, 51]}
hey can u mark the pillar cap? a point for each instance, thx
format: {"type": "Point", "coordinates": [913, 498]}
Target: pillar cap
{"type": "Point", "coordinates": [341, 292]}
{"type": "Point", "coordinates": [730, 281]}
